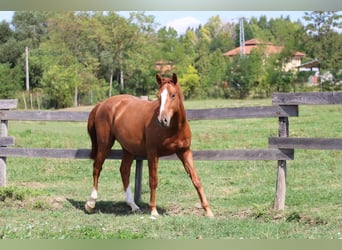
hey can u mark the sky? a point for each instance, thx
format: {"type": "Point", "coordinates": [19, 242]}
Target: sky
{"type": "Point", "coordinates": [181, 20]}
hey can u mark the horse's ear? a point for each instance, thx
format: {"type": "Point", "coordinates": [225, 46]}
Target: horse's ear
{"type": "Point", "coordinates": [158, 78]}
{"type": "Point", "coordinates": [174, 78]}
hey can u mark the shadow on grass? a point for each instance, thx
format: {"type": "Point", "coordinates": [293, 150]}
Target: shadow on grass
{"type": "Point", "coordinates": [117, 208]}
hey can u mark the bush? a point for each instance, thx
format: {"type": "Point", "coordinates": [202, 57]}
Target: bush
{"type": "Point", "coordinates": [9, 81]}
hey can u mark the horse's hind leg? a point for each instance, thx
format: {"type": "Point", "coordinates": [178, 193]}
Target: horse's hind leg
{"type": "Point", "coordinates": [125, 170]}
{"type": "Point", "coordinates": [102, 153]}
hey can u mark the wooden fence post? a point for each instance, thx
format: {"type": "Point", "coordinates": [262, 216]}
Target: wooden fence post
{"type": "Point", "coordinates": [279, 200]}
{"type": "Point", "coordinates": [4, 133]}
{"type": "Point", "coordinates": [138, 180]}
{"type": "Point", "coordinates": [5, 105]}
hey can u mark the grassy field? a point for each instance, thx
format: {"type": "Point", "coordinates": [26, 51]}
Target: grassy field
{"type": "Point", "coordinates": [45, 197]}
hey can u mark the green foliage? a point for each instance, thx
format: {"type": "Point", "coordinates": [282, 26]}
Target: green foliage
{"type": "Point", "coordinates": [15, 193]}
{"type": "Point", "coordinates": [9, 81]}
{"type": "Point", "coordinates": [5, 32]}
{"type": "Point", "coordinates": [190, 81]}
{"type": "Point", "coordinates": [59, 83]}
{"type": "Point", "coordinates": [79, 58]}
{"type": "Point", "coordinates": [323, 42]}
{"type": "Point", "coordinates": [245, 73]}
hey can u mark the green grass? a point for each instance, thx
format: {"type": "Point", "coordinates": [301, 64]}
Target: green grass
{"type": "Point", "coordinates": [45, 197]}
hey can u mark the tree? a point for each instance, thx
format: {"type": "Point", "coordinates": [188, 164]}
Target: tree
{"type": "Point", "coordinates": [11, 51]}
{"type": "Point", "coordinates": [189, 42]}
{"type": "Point", "coordinates": [215, 76]}
{"type": "Point", "coordinates": [246, 73]}
{"type": "Point", "coordinates": [221, 34]}
{"type": "Point", "coordinates": [9, 81]}
{"type": "Point", "coordinates": [140, 56]}
{"type": "Point", "coordinates": [83, 55]}
{"type": "Point", "coordinates": [30, 26]}
{"type": "Point", "coordinates": [168, 45]}
{"type": "Point", "coordinates": [276, 78]}
{"type": "Point", "coordinates": [5, 32]}
{"type": "Point", "coordinates": [260, 29]}
{"type": "Point", "coordinates": [116, 35]}
{"type": "Point", "coordinates": [238, 79]}
{"type": "Point", "coordinates": [201, 61]}
{"type": "Point", "coordinates": [286, 33]}
{"type": "Point", "coordinates": [190, 82]}
{"type": "Point", "coordinates": [74, 45]}
{"type": "Point", "coordinates": [324, 43]}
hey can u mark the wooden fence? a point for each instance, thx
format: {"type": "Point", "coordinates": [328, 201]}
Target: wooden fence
{"type": "Point", "coordinates": [281, 148]}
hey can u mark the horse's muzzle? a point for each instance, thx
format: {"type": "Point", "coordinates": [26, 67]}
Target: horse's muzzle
{"type": "Point", "coordinates": [164, 121]}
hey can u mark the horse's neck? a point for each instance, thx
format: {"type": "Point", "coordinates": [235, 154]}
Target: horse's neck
{"type": "Point", "coordinates": [181, 116]}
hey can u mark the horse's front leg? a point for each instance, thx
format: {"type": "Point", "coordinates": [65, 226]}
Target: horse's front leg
{"type": "Point", "coordinates": [125, 170]}
{"type": "Point", "coordinates": [186, 157]}
{"type": "Point", "coordinates": [153, 181]}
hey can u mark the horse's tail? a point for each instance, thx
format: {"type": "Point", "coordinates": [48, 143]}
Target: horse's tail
{"type": "Point", "coordinates": [92, 132]}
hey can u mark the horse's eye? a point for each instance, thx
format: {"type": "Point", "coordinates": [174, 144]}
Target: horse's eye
{"type": "Point", "coordinates": [173, 95]}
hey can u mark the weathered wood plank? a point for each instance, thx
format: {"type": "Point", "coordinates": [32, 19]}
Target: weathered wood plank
{"type": "Point", "coordinates": [204, 155]}
{"type": "Point", "coordinates": [192, 114]}
{"type": "Point", "coordinates": [316, 98]}
{"type": "Point", "coordinates": [8, 104]}
{"type": "Point", "coordinates": [6, 141]}
{"type": "Point", "coordinates": [243, 154]}
{"type": "Point", "coordinates": [242, 112]}
{"type": "Point", "coordinates": [306, 143]}
{"type": "Point", "coordinates": [238, 154]}
{"type": "Point", "coordinates": [53, 153]}
{"type": "Point", "coordinates": [17, 115]}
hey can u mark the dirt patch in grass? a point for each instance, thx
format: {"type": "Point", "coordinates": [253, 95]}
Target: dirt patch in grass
{"type": "Point", "coordinates": [178, 210]}
{"type": "Point", "coordinates": [34, 185]}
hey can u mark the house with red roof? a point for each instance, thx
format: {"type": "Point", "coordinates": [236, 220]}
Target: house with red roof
{"type": "Point", "coordinates": [164, 67]}
{"type": "Point", "coordinates": [268, 49]}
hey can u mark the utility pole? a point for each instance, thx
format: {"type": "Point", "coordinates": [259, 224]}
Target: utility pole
{"type": "Point", "coordinates": [242, 38]}
{"type": "Point", "coordinates": [27, 70]}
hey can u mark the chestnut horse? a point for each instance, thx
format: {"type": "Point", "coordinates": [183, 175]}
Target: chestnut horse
{"type": "Point", "coordinates": [143, 128]}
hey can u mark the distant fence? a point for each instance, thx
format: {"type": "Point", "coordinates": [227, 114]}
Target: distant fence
{"type": "Point", "coordinates": [281, 148]}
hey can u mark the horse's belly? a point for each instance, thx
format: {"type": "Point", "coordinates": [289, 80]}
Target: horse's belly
{"type": "Point", "coordinates": [130, 138]}
{"type": "Point", "coordinates": [133, 147]}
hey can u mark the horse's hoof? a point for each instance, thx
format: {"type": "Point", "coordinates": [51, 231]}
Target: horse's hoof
{"type": "Point", "coordinates": [210, 214]}
{"type": "Point", "coordinates": [154, 213]}
{"type": "Point", "coordinates": [90, 207]}
{"type": "Point", "coordinates": [136, 211]}
{"type": "Point", "coordinates": [134, 207]}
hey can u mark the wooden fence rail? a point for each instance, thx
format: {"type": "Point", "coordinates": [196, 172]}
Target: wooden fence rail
{"type": "Point", "coordinates": [281, 148]}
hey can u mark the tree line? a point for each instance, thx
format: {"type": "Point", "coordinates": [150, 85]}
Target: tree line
{"type": "Point", "coordinates": [78, 58]}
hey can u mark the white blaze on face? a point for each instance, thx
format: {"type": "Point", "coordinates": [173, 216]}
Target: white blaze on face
{"type": "Point", "coordinates": [163, 98]}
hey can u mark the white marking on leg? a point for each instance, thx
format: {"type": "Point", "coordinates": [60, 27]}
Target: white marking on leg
{"type": "Point", "coordinates": [129, 199]}
{"type": "Point", "coordinates": [90, 204]}
{"type": "Point", "coordinates": [93, 194]}
{"type": "Point", "coordinates": [163, 98]}
{"type": "Point", "coordinates": [154, 214]}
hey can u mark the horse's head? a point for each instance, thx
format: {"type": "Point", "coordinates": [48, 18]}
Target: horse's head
{"type": "Point", "coordinates": [169, 95]}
